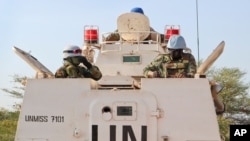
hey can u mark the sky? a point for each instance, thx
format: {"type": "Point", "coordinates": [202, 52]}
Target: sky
{"type": "Point", "coordinates": [45, 27]}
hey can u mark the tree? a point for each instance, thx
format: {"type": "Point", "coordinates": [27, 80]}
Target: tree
{"type": "Point", "coordinates": [8, 119]}
{"type": "Point", "coordinates": [18, 91]}
{"type": "Point", "coordinates": [234, 96]}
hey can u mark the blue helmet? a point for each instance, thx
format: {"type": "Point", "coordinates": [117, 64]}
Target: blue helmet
{"type": "Point", "coordinates": [176, 42]}
{"type": "Point", "coordinates": [137, 10]}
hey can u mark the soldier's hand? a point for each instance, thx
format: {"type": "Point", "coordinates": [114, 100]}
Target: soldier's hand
{"type": "Point", "coordinates": [152, 74]}
{"type": "Point", "coordinates": [165, 65]}
{"type": "Point", "coordinates": [95, 73]}
{"type": "Point", "coordinates": [85, 62]}
{"type": "Point", "coordinates": [180, 75]}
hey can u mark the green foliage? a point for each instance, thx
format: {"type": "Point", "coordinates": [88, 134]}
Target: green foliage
{"type": "Point", "coordinates": [18, 89]}
{"type": "Point", "coordinates": [224, 127]}
{"type": "Point", "coordinates": [8, 124]}
{"type": "Point", "coordinates": [8, 119]}
{"type": "Point", "coordinates": [234, 96]}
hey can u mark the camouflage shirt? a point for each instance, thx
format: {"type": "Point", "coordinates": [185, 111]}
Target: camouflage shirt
{"type": "Point", "coordinates": [68, 70]}
{"type": "Point", "coordinates": [168, 68]}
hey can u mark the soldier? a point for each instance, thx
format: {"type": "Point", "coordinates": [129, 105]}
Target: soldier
{"type": "Point", "coordinates": [174, 64]}
{"type": "Point", "coordinates": [72, 65]}
{"type": "Point", "coordinates": [177, 64]}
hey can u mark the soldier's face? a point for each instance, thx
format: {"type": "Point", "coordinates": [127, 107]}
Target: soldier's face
{"type": "Point", "coordinates": [176, 53]}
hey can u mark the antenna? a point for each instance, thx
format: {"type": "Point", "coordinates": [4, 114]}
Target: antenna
{"type": "Point", "coordinates": [197, 28]}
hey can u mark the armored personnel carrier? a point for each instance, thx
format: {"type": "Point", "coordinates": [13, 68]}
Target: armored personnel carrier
{"type": "Point", "coordinates": [123, 105]}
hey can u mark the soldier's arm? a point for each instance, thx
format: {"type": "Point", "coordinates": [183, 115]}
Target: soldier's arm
{"type": "Point", "coordinates": [150, 71]}
{"type": "Point", "coordinates": [192, 66]}
{"type": "Point", "coordinates": [61, 73]}
{"type": "Point", "coordinates": [93, 72]}
{"type": "Point", "coordinates": [154, 69]}
{"type": "Point", "coordinates": [72, 72]}
{"type": "Point", "coordinates": [85, 62]}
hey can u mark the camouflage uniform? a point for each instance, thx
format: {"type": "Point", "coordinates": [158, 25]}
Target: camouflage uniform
{"type": "Point", "coordinates": [166, 67]}
{"type": "Point", "coordinates": [69, 70]}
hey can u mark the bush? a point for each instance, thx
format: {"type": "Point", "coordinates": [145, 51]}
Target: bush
{"type": "Point", "coordinates": [8, 124]}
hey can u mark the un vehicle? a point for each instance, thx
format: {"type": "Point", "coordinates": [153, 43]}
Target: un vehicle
{"type": "Point", "coordinates": [123, 105]}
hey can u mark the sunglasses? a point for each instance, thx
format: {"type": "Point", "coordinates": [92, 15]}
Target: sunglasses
{"type": "Point", "coordinates": [76, 51]}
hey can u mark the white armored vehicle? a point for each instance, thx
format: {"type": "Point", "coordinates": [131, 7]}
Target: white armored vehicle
{"type": "Point", "coordinates": [123, 105]}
